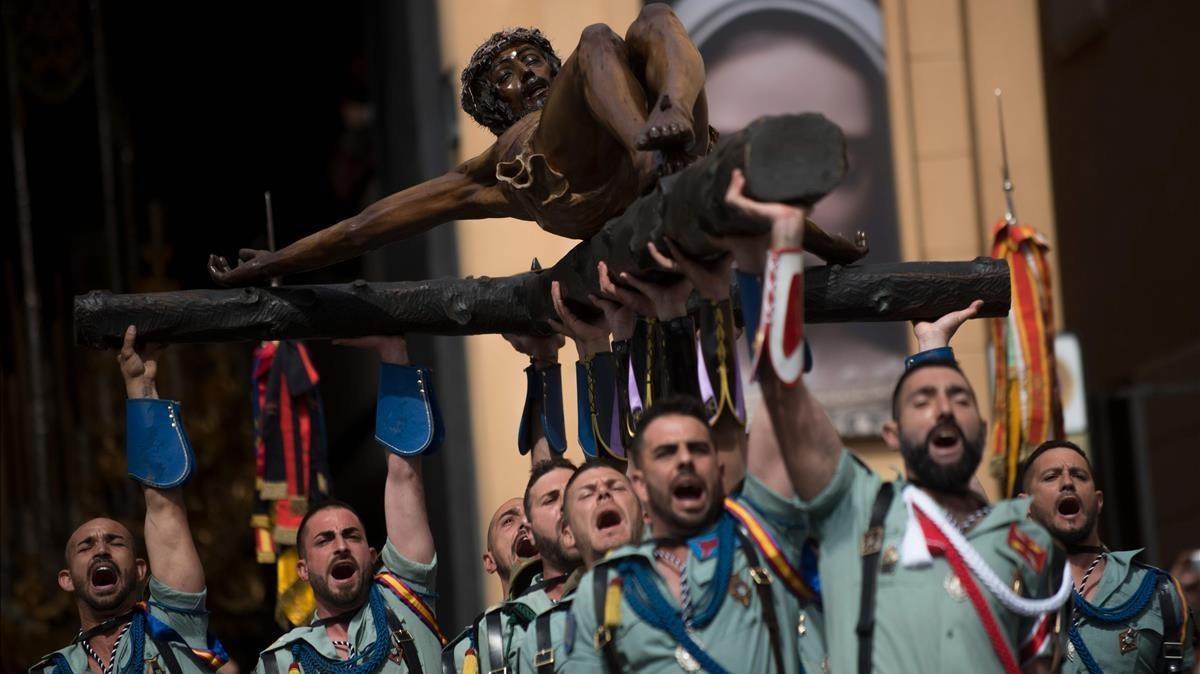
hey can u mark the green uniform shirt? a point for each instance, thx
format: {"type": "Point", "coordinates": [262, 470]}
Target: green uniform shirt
{"type": "Point", "coordinates": [420, 578]}
{"type": "Point", "coordinates": [1121, 579]}
{"type": "Point", "coordinates": [183, 612]}
{"type": "Point", "coordinates": [515, 616]}
{"type": "Point", "coordinates": [736, 637]}
{"type": "Point", "coordinates": [559, 616]}
{"type": "Point", "coordinates": [924, 621]}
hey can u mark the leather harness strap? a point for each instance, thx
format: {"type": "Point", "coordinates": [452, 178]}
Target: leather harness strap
{"type": "Point", "coordinates": [1171, 658]}
{"type": "Point", "coordinates": [544, 659]}
{"type": "Point", "coordinates": [403, 640]}
{"type": "Point", "coordinates": [762, 585]}
{"type": "Point", "coordinates": [606, 636]}
{"type": "Point", "coordinates": [872, 544]}
{"type": "Point", "coordinates": [495, 640]}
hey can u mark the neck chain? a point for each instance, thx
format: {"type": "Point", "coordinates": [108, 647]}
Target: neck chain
{"type": "Point", "coordinates": [1082, 589]}
{"type": "Point", "coordinates": [970, 520]}
{"type": "Point", "coordinates": [85, 641]}
{"type": "Point", "coordinates": [685, 594]}
{"type": "Point", "coordinates": [349, 647]}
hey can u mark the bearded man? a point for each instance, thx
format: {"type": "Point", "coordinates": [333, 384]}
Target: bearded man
{"type": "Point", "coordinates": [367, 620]}
{"type": "Point", "coordinates": [576, 142]}
{"type": "Point", "coordinates": [118, 631]}
{"type": "Point", "coordinates": [600, 513]}
{"type": "Point", "coordinates": [1126, 616]}
{"type": "Point", "coordinates": [923, 582]}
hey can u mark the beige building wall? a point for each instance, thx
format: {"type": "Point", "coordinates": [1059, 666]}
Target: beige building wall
{"type": "Point", "coordinates": [944, 59]}
{"type": "Point", "coordinates": [502, 247]}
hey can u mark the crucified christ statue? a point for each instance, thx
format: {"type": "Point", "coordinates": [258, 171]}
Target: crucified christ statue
{"type": "Point", "coordinates": [576, 143]}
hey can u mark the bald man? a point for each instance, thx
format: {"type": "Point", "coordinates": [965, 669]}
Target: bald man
{"type": "Point", "coordinates": [105, 572]}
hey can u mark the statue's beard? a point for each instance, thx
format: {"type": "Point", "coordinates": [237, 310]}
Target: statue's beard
{"type": "Point", "coordinates": [949, 478]}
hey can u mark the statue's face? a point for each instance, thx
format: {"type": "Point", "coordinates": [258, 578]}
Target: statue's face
{"type": "Point", "coordinates": [521, 75]}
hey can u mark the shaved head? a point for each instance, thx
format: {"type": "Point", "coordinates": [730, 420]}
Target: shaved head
{"type": "Point", "coordinates": [102, 568]}
{"type": "Point", "coordinates": [91, 525]}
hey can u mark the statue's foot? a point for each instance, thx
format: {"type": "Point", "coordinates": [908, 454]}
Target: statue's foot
{"type": "Point", "coordinates": [669, 128]}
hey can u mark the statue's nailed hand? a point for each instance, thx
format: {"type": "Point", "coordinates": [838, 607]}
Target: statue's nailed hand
{"type": "Point", "coordinates": [248, 271]}
{"type": "Point", "coordinates": [138, 372]}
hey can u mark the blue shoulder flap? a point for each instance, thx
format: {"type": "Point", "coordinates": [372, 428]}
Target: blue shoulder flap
{"type": "Point", "coordinates": [407, 418]}
{"type": "Point", "coordinates": [157, 450]}
{"type": "Point", "coordinates": [543, 388]}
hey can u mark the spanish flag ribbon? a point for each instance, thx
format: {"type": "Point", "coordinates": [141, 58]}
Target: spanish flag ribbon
{"type": "Point", "coordinates": [762, 538]}
{"type": "Point", "coordinates": [1028, 409]}
{"type": "Point", "coordinates": [410, 599]}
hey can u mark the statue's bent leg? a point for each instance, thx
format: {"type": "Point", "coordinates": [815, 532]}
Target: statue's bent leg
{"type": "Point", "coordinates": [673, 72]}
{"type": "Point", "coordinates": [596, 110]}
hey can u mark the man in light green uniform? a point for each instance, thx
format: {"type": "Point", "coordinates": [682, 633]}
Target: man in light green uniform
{"type": "Point", "coordinates": [904, 591]}
{"type": "Point", "coordinates": [383, 620]}
{"type": "Point", "coordinates": [705, 592]}
{"type": "Point", "coordinates": [118, 632]}
{"type": "Point", "coordinates": [499, 630]}
{"type": "Point", "coordinates": [600, 513]}
{"type": "Point", "coordinates": [1119, 605]}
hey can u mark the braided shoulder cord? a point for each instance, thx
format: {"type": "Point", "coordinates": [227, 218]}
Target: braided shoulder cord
{"type": "Point", "coordinates": [1136, 604]}
{"type": "Point", "coordinates": [367, 661]}
{"type": "Point", "coordinates": [650, 605]}
{"type": "Point", "coordinates": [999, 589]}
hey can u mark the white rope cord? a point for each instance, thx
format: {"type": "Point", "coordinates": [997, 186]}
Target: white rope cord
{"type": "Point", "coordinates": [1011, 600]}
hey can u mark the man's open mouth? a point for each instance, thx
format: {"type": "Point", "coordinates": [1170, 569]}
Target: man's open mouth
{"type": "Point", "coordinates": [608, 519]}
{"type": "Point", "coordinates": [524, 547]}
{"type": "Point", "coordinates": [343, 570]}
{"type": "Point", "coordinates": [1069, 505]}
{"type": "Point", "coordinates": [688, 492]}
{"type": "Point", "coordinates": [104, 575]}
{"type": "Point", "coordinates": [945, 437]}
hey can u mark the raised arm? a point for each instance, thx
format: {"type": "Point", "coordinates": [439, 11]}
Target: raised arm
{"type": "Point", "coordinates": [169, 546]}
{"type": "Point", "coordinates": [404, 491]}
{"type": "Point", "coordinates": [468, 192]}
{"type": "Point", "coordinates": [808, 441]}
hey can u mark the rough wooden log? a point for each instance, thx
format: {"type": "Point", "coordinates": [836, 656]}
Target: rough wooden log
{"type": "Point", "coordinates": [887, 292]}
{"type": "Point", "coordinates": [794, 159]}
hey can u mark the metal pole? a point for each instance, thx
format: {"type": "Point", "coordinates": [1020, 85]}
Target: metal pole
{"type": "Point", "coordinates": [107, 170]}
{"type": "Point", "coordinates": [1010, 211]}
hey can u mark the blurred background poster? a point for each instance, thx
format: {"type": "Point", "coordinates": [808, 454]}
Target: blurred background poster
{"type": "Point", "coordinates": [770, 57]}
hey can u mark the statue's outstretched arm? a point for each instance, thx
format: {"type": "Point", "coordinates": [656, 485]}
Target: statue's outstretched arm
{"type": "Point", "coordinates": [468, 192]}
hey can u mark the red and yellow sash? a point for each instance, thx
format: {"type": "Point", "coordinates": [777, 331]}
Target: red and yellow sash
{"type": "Point", "coordinates": [411, 600]}
{"type": "Point", "coordinates": [1028, 410]}
{"type": "Point", "coordinates": [765, 541]}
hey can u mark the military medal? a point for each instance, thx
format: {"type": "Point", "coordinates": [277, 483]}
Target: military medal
{"type": "Point", "coordinates": [889, 559]}
{"type": "Point", "coordinates": [686, 662]}
{"type": "Point", "coordinates": [740, 591]}
{"type": "Point", "coordinates": [954, 587]}
{"type": "Point", "coordinates": [1128, 640]}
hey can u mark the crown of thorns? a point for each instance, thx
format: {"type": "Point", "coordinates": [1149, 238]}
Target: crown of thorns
{"type": "Point", "coordinates": [479, 98]}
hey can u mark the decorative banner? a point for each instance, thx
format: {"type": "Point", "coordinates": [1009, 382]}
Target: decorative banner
{"type": "Point", "coordinates": [291, 462]}
{"type": "Point", "coordinates": [1027, 406]}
